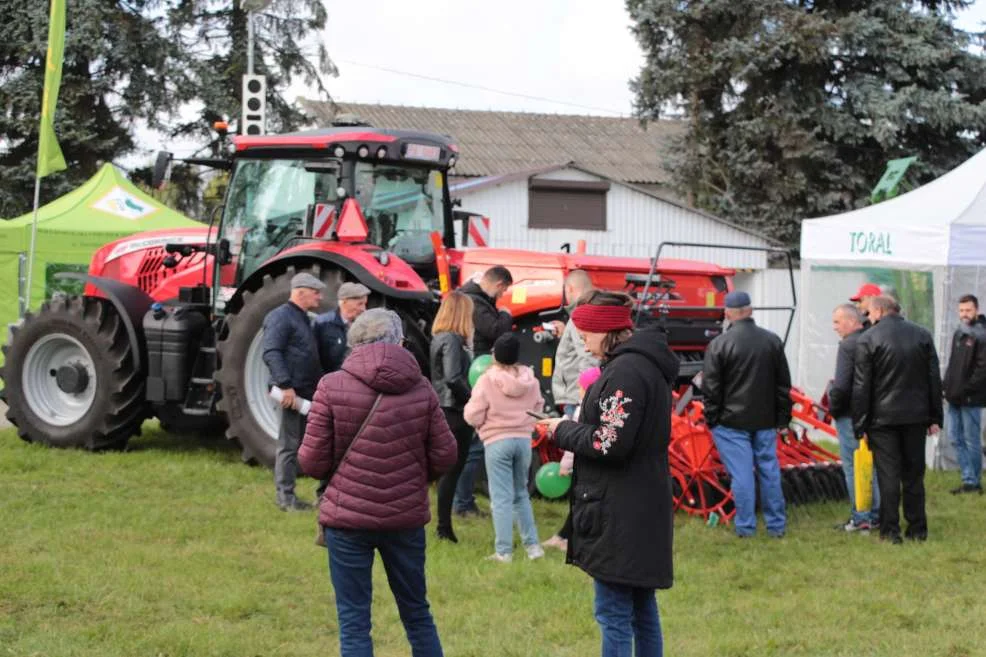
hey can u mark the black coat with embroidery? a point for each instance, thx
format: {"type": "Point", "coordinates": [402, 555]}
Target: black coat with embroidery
{"type": "Point", "coordinates": [622, 528]}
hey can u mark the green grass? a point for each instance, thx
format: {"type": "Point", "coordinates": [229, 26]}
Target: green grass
{"type": "Point", "coordinates": [175, 548]}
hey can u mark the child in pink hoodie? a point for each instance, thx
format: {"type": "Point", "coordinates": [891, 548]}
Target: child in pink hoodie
{"type": "Point", "coordinates": [498, 408]}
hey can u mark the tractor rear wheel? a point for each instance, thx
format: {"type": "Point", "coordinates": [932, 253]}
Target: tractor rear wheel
{"type": "Point", "coordinates": [253, 417]}
{"type": "Point", "coordinates": [69, 377]}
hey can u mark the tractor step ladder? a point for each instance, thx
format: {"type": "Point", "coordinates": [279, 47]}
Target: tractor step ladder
{"type": "Point", "coordinates": [200, 400]}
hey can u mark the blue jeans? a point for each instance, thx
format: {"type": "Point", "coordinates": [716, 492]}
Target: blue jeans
{"type": "Point", "coordinates": [743, 451]}
{"type": "Point", "coordinates": [570, 410]}
{"type": "Point", "coordinates": [847, 448]}
{"type": "Point", "coordinates": [465, 498]}
{"type": "Point", "coordinates": [965, 431]}
{"type": "Point", "coordinates": [628, 619]}
{"type": "Point", "coordinates": [351, 569]}
{"type": "Point", "coordinates": [507, 464]}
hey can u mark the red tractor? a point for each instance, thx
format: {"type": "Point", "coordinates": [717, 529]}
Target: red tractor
{"type": "Point", "coordinates": [170, 322]}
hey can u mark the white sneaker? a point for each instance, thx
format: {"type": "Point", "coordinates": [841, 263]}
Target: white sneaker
{"type": "Point", "coordinates": [534, 551]}
{"type": "Point", "coordinates": [502, 558]}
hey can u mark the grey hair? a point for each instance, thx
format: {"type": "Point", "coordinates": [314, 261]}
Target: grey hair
{"type": "Point", "coordinates": [376, 325]}
{"type": "Point", "coordinates": [850, 311]}
{"type": "Point", "coordinates": [885, 304]}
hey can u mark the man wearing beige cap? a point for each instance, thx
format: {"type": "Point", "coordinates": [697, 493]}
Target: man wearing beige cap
{"type": "Point", "coordinates": [291, 355]}
{"type": "Point", "coordinates": [331, 327]}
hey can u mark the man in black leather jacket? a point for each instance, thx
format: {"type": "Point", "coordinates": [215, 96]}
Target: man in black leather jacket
{"type": "Point", "coordinates": [746, 388]}
{"type": "Point", "coordinates": [896, 399]}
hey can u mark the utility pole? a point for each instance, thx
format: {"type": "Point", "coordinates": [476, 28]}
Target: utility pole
{"type": "Point", "coordinates": [251, 7]}
{"type": "Point", "coordinates": [254, 100]}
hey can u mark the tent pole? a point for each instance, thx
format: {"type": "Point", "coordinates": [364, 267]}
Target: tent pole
{"type": "Point", "coordinates": [34, 237]}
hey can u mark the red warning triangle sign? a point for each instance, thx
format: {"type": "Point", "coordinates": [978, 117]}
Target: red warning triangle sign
{"type": "Point", "coordinates": [351, 226]}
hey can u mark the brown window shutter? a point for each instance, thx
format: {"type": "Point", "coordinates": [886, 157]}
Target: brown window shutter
{"type": "Point", "coordinates": [567, 204]}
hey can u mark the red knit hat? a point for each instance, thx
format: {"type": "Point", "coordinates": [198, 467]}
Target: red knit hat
{"type": "Point", "coordinates": [601, 319]}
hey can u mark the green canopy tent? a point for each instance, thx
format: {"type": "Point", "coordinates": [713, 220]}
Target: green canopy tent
{"type": "Point", "coordinates": [70, 229]}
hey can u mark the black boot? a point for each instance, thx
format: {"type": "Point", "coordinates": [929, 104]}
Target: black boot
{"type": "Point", "coordinates": [447, 535]}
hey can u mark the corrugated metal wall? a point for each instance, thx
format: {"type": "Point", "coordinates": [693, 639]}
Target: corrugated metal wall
{"type": "Point", "coordinates": [636, 225]}
{"type": "Point", "coordinates": [772, 287]}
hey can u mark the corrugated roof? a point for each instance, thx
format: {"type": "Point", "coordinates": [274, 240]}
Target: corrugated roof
{"type": "Point", "coordinates": [498, 143]}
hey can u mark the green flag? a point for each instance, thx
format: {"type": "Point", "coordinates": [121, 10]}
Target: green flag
{"type": "Point", "coordinates": [887, 187]}
{"type": "Point", "coordinates": [50, 158]}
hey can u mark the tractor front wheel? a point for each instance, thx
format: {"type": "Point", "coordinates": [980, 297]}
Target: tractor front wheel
{"type": "Point", "coordinates": [69, 377]}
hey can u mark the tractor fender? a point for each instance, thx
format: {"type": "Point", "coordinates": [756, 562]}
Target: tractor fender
{"type": "Point", "coordinates": [130, 302]}
{"type": "Point", "coordinates": [361, 273]}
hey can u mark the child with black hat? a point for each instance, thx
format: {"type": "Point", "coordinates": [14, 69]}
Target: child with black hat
{"type": "Point", "coordinates": [498, 409]}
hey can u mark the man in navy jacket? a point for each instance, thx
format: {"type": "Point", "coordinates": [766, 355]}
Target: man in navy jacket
{"type": "Point", "coordinates": [291, 355]}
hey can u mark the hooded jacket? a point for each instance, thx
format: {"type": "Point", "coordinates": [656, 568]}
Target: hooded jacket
{"type": "Point", "coordinates": [383, 482]}
{"type": "Point", "coordinates": [500, 401]}
{"type": "Point", "coordinates": [965, 376]}
{"type": "Point", "coordinates": [622, 530]}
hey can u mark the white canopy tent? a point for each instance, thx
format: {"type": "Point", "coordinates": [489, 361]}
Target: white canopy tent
{"type": "Point", "coordinates": [927, 248]}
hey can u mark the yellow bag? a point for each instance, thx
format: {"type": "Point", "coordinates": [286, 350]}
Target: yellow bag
{"type": "Point", "coordinates": [862, 462]}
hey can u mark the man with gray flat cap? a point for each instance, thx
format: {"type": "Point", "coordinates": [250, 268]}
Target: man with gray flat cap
{"type": "Point", "coordinates": [291, 355]}
{"type": "Point", "coordinates": [746, 388]}
{"type": "Point", "coordinates": [331, 327]}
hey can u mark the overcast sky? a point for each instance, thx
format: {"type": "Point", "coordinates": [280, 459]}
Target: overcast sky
{"type": "Point", "coordinates": [579, 52]}
{"type": "Point", "coordinates": [576, 55]}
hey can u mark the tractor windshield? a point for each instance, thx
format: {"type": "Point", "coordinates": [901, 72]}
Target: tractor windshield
{"type": "Point", "coordinates": [402, 206]}
{"type": "Point", "coordinates": [269, 202]}
{"type": "Point", "coordinates": [266, 208]}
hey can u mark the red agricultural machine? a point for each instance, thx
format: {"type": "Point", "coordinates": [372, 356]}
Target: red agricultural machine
{"type": "Point", "coordinates": [700, 482]}
{"type": "Point", "coordinates": [170, 323]}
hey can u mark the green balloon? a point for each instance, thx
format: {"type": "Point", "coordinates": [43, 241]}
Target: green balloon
{"type": "Point", "coordinates": [479, 365]}
{"type": "Point", "coordinates": [550, 483]}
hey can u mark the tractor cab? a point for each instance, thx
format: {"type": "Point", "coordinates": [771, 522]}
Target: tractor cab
{"type": "Point", "coordinates": [385, 188]}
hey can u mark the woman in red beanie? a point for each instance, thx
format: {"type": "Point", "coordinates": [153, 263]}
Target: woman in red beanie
{"type": "Point", "coordinates": [621, 489]}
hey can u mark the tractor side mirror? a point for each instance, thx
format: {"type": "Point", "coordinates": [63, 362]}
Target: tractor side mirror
{"type": "Point", "coordinates": [162, 169]}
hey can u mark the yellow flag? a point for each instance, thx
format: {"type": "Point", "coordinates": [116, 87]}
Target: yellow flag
{"type": "Point", "coordinates": [50, 158]}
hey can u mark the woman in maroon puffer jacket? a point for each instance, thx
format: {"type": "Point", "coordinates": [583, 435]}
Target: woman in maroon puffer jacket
{"type": "Point", "coordinates": [377, 497]}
